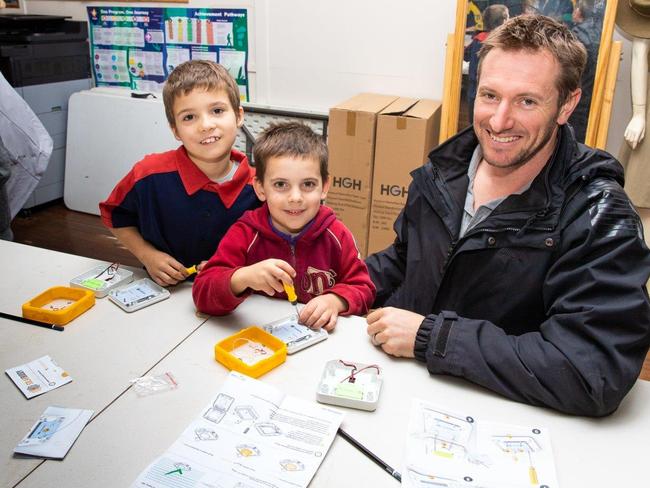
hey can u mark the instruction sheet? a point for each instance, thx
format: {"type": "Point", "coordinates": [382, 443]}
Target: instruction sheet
{"type": "Point", "coordinates": [250, 435]}
{"type": "Point", "coordinates": [38, 376]}
{"type": "Point", "coordinates": [454, 450]}
{"type": "Point", "coordinates": [54, 433]}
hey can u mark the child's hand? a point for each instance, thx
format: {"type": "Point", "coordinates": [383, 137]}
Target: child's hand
{"type": "Point", "coordinates": [323, 311]}
{"type": "Point", "coordinates": [266, 276]}
{"type": "Point", "coordinates": [163, 268]}
{"type": "Point", "coordinates": [200, 266]}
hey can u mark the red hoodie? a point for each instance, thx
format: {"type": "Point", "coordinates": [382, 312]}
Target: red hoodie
{"type": "Point", "coordinates": [325, 257]}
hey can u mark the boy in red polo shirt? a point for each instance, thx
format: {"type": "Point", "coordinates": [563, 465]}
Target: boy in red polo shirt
{"type": "Point", "coordinates": [172, 209]}
{"type": "Point", "coordinates": [291, 239]}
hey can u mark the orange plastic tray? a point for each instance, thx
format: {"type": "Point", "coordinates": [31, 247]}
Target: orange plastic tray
{"type": "Point", "coordinates": [223, 349]}
{"type": "Point", "coordinates": [59, 305]}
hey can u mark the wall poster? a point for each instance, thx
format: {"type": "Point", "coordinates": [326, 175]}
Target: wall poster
{"type": "Point", "coordinates": [137, 47]}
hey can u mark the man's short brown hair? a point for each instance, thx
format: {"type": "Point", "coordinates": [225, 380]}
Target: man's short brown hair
{"type": "Point", "coordinates": [535, 33]}
{"type": "Point", "coordinates": [198, 73]}
{"type": "Point", "coordinates": [289, 139]}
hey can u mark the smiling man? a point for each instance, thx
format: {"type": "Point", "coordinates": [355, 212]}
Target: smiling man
{"type": "Point", "coordinates": [519, 262]}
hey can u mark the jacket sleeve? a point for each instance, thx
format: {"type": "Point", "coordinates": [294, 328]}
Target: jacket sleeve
{"type": "Point", "coordinates": [588, 353]}
{"type": "Point", "coordinates": [211, 290]}
{"type": "Point", "coordinates": [353, 283]}
{"type": "Point", "coordinates": [387, 268]}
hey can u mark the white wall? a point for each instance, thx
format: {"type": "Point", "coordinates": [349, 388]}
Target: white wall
{"type": "Point", "coordinates": [311, 54]}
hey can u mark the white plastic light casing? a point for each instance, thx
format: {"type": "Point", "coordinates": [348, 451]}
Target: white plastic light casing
{"type": "Point", "coordinates": [296, 336]}
{"type": "Point", "coordinates": [138, 294]}
{"type": "Point", "coordinates": [97, 280]}
{"type": "Point", "coordinates": [336, 389]}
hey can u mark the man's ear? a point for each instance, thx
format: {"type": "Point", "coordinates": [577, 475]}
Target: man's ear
{"type": "Point", "coordinates": [569, 106]}
{"type": "Point", "coordinates": [259, 189]}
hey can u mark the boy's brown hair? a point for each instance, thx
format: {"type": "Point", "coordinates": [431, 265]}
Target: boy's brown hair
{"type": "Point", "coordinates": [535, 33]}
{"type": "Point", "coordinates": [289, 139]}
{"type": "Point", "coordinates": [198, 73]}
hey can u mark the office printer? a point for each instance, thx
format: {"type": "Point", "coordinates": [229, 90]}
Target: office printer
{"type": "Point", "coordinates": [37, 49]}
{"type": "Point", "coordinates": [46, 58]}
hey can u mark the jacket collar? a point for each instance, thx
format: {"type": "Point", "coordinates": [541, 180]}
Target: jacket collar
{"type": "Point", "coordinates": [539, 205]}
{"type": "Point", "coordinates": [260, 220]}
{"type": "Point", "coordinates": [194, 179]}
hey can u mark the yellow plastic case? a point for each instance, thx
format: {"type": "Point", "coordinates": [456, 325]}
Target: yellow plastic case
{"type": "Point", "coordinates": [59, 305]}
{"type": "Point", "coordinates": [223, 348]}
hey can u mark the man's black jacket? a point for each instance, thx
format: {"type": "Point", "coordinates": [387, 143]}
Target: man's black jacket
{"type": "Point", "coordinates": [545, 300]}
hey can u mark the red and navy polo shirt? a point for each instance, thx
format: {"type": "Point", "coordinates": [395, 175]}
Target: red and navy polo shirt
{"type": "Point", "coordinates": [176, 207]}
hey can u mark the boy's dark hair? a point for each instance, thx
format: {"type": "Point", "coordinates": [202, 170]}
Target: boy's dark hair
{"type": "Point", "coordinates": [535, 33]}
{"type": "Point", "coordinates": [198, 73]}
{"type": "Point", "coordinates": [494, 16]}
{"type": "Point", "coordinates": [289, 139]}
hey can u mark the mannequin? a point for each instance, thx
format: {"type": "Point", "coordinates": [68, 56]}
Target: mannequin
{"type": "Point", "coordinates": [635, 131]}
{"type": "Point", "coordinates": [633, 17]}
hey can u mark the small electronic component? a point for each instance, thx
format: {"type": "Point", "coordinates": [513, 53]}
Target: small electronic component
{"type": "Point", "coordinates": [102, 279]}
{"type": "Point", "coordinates": [138, 294]}
{"type": "Point", "coordinates": [349, 384]}
{"type": "Point", "coordinates": [296, 336]}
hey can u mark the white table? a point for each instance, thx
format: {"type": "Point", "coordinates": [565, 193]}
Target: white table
{"type": "Point", "coordinates": [102, 349]}
{"type": "Point", "coordinates": [113, 450]}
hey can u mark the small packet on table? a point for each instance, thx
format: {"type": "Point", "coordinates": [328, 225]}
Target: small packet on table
{"type": "Point", "coordinates": [148, 385]}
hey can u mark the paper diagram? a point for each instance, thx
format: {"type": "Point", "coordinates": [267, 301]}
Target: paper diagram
{"type": "Point", "coordinates": [452, 450]}
{"type": "Point", "coordinates": [186, 30]}
{"type": "Point", "coordinates": [249, 435]}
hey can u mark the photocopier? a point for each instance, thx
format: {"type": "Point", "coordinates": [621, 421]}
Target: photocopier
{"type": "Point", "coordinates": [46, 58]}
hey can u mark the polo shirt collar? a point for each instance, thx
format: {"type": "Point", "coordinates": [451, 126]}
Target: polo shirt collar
{"type": "Point", "coordinates": [194, 179]}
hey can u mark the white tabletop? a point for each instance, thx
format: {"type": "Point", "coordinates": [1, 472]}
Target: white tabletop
{"type": "Point", "coordinates": [116, 447]}
{"type": "Point", "coordinates": [102, 349]}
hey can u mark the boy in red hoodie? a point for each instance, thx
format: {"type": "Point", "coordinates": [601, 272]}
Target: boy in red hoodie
{"type": "Point", "coordinates": [291, 239]}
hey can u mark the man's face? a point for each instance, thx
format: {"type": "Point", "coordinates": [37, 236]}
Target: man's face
{"type": "Point", "coordinates": [516, 114]}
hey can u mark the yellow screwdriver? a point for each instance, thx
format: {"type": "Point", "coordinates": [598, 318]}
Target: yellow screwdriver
{"type": "Point", "coordinates": [291, 296]}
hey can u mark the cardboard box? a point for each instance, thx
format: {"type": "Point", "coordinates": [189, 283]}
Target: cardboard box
{"type": "Point", "coordinates": [407, 130]}
{"type": "Point", "coordinates": [351, 144]}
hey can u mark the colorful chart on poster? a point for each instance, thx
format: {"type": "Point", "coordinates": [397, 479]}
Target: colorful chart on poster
{"type": "Point", "coordinates": [137, 47]}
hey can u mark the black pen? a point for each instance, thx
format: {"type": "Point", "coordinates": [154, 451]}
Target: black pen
{"type": "Point", "coordinates": [372, 457]}
{"type": "Point", "coordinates": [31, 322]}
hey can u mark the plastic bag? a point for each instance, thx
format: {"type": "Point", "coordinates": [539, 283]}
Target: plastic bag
{"type": "Point", "coordinates": [148, 385]}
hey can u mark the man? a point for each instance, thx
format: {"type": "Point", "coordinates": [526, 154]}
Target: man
{"type": "Point", "coordinates": [519, 263]}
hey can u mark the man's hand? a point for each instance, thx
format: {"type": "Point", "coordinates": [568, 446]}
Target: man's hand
{"type": "Point", "coordinates": [163, 268]}
{"type": "Point", "coordinates": [394, 330]}
{"type": "Point", "coordinates": [322, 311]}
{"type": "Point", "coordinates": [266, 276]}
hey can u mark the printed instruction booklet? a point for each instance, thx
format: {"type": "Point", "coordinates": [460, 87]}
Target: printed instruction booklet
{"type": "Point", "coordinates": [38, 376]}
{"type": "Point", "coordinates": [250, 434]}
{"type": "Point", "coordinates": [54, 433]}
{"type": "Point", "coordinates": [457, 450]}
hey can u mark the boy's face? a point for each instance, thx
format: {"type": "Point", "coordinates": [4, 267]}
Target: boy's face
{"type": "Point", "coordinates": [293, 189]}
{"type": "Point", "coordinates": [207, 125]}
